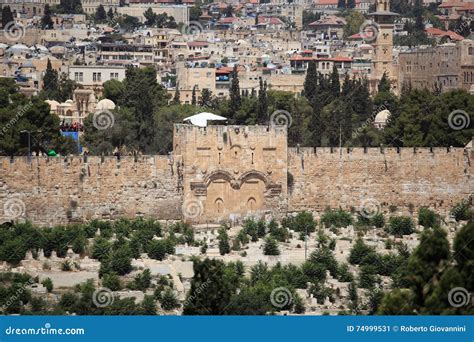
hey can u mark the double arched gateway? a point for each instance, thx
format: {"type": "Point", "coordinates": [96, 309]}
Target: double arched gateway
{"type": "Point", "coordinates": [224, 194]}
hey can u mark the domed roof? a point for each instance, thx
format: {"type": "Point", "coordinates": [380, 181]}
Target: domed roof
{"type": "Point", "coordinates": [382, 116]}
{"type": "Point", "coordinates": [53, 104]}
{"type": "Point", "coordinates": [69, 101]}
{"type": "Point", "coordinates": [18, 47]}
{"type": "Point", "coordinates": [105, 104]}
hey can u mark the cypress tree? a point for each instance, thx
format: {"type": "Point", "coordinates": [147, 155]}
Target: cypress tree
{"type": "Point", "coordinates": [311, 81]}
{"type": "Point", "coordinates": [7, 16]}
{"type": "Point", "coordinates": [50, 79]}
{"type": "Point", "coordinates": [177, 95]}
{"type": "Point", "coordinates": [193, 97]}
{"type": "Point", "coordinates": [262, 106]}
{"type": "Point", "coordinates": [46, 21]}
{"type": "Point", "coordinates": [335, 87]}
{"type": "Point", "coordinates": [235, 99]}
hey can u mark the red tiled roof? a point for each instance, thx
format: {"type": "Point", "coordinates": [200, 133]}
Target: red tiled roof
{"type": "Point", "coordinates": [269, 20]}
{"type": "Point", "coordinates": [196, 43]}
{"type": "Point", "coordinates": [330, 59]}
{"type": "Point", "coordinates": [454, 36]}
{"type": "Point", "coordinates": [435, 31]}
{"type": "Point", "coordinates": [450, 4]}
{"type": "Point", "coordinates": [440, 33]}
{"type": "Point", "coordinates": [367, 34]}
{"type": "Point", "coordinates": [467, 7]}
{"type": "Point", "coordinates": [228, 20]}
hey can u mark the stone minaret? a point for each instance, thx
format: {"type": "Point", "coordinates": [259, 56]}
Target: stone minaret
{"type": "Point", "coordinates": [383, 44]}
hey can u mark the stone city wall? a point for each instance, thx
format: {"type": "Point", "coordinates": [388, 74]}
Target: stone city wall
{"type": "Point", "coordinates": [59, 191]}
{"type": "Point", "coordinates": [355, 178]}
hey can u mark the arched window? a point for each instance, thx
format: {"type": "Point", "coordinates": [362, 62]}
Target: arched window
{"type": "Point", "coordinates": [219, 205]}
{"type": "Point", "coordinates": [251, 204]}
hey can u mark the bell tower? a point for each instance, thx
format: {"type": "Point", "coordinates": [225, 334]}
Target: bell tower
{"type": "Point", "coordinates": [382, 59]}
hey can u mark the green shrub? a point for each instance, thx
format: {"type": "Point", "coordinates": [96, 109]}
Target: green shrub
{"type": "Point", "coordinates": [279, 233]}
{"type": "Point", "coordinates": [359, 251]}
{"type": "Point", "coordinates": [168, 300]}
{"type": "Point", "coordinates": [343, 273]}
{"type": "Point", "coordinates": [120, 261]}
{"type": "Point", "coordinates": [271, 247]}
{"type": "Point", "coordinates": [111, 281]}
{"type": "Point", "coordinates": [401, 225]}
{"type": "Point", "coordinates": [48, 284]}
{"type": "Point", "coordinates": [224, 246]}
{"type": "Point", "coordinates": [427, 218]}
{"type": "Point", "coordinates": [378, 220]}
{"type": "Point", "coordinates": [157, 249]}
{"type": "Point", "coordinates": [462, 211]}
{"type": "Point", "coordinates": [302, 222]}
{"type": "Point", "coordinates": [101, 248]}
{"type": "Point", "coordinates": [367, 276]}
{"type": "Point", "coordinates": [337, 218]}
{"type": "Point", "coordinates": [251, 228]}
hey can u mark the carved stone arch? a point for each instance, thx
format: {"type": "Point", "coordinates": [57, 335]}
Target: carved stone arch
{"type": "Point", "coordinates": [254, 174]}
{"type": "Point", "coordinates": [219, 174]}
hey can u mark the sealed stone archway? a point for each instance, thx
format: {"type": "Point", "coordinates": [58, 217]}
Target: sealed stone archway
{"type": "Point", "coordinates": [231, 171]}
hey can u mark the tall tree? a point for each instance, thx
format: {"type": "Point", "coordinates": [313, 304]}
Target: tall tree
{"type": "Point", "coordinates": [384, 84]}
{"type": "Point", "coordinates": [7, 16]}
{"type": "Point", "coordinates": [262, 106]}
{"type": "Point", "coordinates": [46, 21]}
{"type": "Point", "coordinates": [176, 98]}
{"type": "Point", "coordinates": [50, 79]}
{"type": "Point", "coordinates": [235, 99]}
{"type": "Point", "coordinates": [209, 274]}
{"type": "Point", "coordinates": [193, 96]}
{"type": "Point", "coordinates": [150, 17]}
{"type": "Point", "coordinates": [229, 11]}
{"type": "Point", "coordinates": [334, 82]}
{"type": "Point", "coordinates": [206, 98]}
{"type": "Point", "coordinates": [311, 81]}
{"type": "Point", "coordinates": [100, 14]}
{"type": "Point", "coordinates": [110, 14]}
